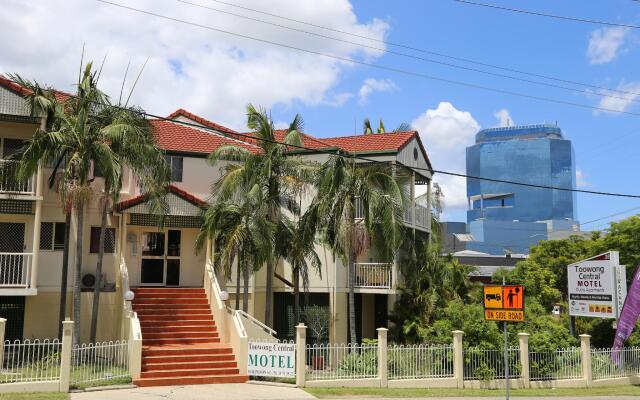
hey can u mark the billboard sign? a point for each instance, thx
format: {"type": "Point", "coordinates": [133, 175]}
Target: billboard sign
{"type": "Point", "coordinates": [597, 286]}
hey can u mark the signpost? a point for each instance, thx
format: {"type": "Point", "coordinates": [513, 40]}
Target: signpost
{"type": "Point", "coordinates": [597, 286]}
{"type": "Point", "coordinates": [271, 359]}
{"type": "Point", "coordinates": [504, 303]}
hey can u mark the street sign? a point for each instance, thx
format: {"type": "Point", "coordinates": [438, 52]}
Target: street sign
{"type": "Point", "coordinates": [597, 286]}
{"type": "Point", "coordinates": [503, 303]}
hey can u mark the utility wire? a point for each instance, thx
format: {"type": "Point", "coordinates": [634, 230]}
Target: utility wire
{"type": "Point", "coordinates": [425, 51]}
{"type": "Point", "coordinates": [353, 156]}
{"type": "Point", "coordinates": [372, 65]}
{"type": "Point", "coordinates": [424, 59]}
{"type": "Point", "coordinates": [541, 14]}
{"type": "Point", "coordinates": [611, 215]}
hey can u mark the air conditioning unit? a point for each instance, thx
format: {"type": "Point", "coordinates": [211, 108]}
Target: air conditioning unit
{"type": "Point", "coordinates": [89, 280]}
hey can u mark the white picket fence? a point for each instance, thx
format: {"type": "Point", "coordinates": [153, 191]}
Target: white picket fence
{"type": "Point", "coordinates": [341, 361]}
{"type": "Point", "coordinates": [488, 364]}
{"type": "Point", "coordinates": [30, 361]}
{"type": "Point", "coordinates": [420, 361]}
{"type": "Point", "coordinates": [603, 367]}
{"type": "Point", "coordinates": [556, 364]}
{"type": "Point", "coordinates": [100, 362]}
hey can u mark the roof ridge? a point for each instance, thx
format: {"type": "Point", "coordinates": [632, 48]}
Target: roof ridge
{"type": "Point", "coordinates": [371, 135]}
{"type": "Point", "coordinates": [199, 119]}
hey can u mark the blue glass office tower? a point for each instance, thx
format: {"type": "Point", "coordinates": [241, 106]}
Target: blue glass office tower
{"type": "Point", "coordinates": [507, 218]}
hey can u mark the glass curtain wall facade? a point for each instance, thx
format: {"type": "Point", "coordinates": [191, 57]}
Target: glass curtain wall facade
{"type": "Point", "coordinates": [507, 218]}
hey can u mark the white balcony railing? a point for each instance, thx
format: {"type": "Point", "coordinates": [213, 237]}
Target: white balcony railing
{"type": "Point", "coordinates": [422, 216]}
{"type": "Point", "coordinates": [8, 181]}
{"type": "Point", "coordinates": [15, 270]}
{"type": "Point", "coordinates": [373, 275]}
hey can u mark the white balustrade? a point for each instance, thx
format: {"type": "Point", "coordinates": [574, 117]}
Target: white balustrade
{"type": "Point", "coordinates": [15, 270]}
{"type": "Point", "coordinates": [9, 182]}
{"type": "Point", "coordinates": [373, 275]}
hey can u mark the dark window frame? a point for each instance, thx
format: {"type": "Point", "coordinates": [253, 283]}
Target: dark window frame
{"type": "Point", "coordinates": [94, 240]}
{"type": "Point", "coordinates": [176, 167]}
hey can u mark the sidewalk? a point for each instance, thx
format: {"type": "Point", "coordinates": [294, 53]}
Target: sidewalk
{"type": "Point", "coordinates": [235, 391]}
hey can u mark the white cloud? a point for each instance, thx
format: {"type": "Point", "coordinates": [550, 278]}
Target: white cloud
{"type": "Point", "coordinates": [207, 72]}
{"type": "Point", "coordinates": [605, 44]}
{"type": "Point", "coordinates": [374, 85]}
{"type": "Point", "coordinates": [621, 101]}
{"type": "Point", "coordinates": [503, 117]}
{"type": "Point", "coordinates": [581, 180]}
{"type": "Point", "coordinates": [446, 132]}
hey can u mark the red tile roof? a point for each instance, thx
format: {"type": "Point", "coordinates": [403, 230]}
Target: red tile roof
{"type": "Point", "coordinates": [23, 91]}
{"type": "Point", "coordinates": [372, 143]}
{"type": "Point", "coordinates": [123, 205]}
{"type": "Point", "coordinates": [173, 136]}
{"type": "Point", "coordinates": [279, 134]}
{"type": "Point", "coordinates": [200, 120]}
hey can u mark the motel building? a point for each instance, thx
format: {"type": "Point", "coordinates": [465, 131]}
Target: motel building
{"type": "Point", "coordinates": [177, 302]}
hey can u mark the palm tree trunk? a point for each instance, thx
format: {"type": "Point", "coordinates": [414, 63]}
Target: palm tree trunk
{"type": "Point", "coordinates": [296, 296]}
{"type": "Point", "coordinates": [245, 293]}
{"type": "Point", "coordinates": [65, 271]}
{"type": "Point", "coordinates": [352, 302]}
{"type": "Point", "coordinates": [268, 301]}
{"type": "Point", "coordinates": [238, 267]}
{"type": "Point", "coordinates": [96, 292]}
{"type": "Point", "coordinates": [77, 271]}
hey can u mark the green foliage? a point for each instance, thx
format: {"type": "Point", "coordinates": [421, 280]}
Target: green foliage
{"type": "Point", "coordinates": [623, 237]}
{"type": "Point", "coordinates": [359, 363]}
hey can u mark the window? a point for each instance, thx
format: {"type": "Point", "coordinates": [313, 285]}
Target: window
{"type": "Point", "coordinates": [109, 240]}
{"type": "Point", "coordinates": [175, 165]}
{"type": "Point", "coordinates": [52, 235]}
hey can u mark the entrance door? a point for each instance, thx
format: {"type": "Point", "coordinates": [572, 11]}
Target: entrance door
{"type": "Point", "coordinates": [161, 258]}
{"type": "Point", "coordinates": [13, 267]}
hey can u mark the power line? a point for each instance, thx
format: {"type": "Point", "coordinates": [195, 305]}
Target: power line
{"type": "Point", "coordinates": [541, 14]}
{"type": "Point", "coordinates": [397, 53]}
{"type": "Point", "coordinates": [372, 65]}
{"type": "Point", "coordinates": [354, 156]}
{"type": "Point", "coordinates": [611, 215]}
{"type": "Point", "coordinates": [422, 50]}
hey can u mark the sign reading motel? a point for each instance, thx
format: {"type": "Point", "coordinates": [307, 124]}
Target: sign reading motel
{"type": "Point", "coordinates": [271, 359]}
{"type": "Point", "coordinates": [597, 286]}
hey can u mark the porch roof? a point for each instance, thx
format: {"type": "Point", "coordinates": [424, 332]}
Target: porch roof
{"type": "Point", "coordinates": [180, 203]}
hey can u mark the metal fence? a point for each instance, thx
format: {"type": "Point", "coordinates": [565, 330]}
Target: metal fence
{"type": "Point", "coordinates": [603, 365]}
{"type": "Point", "coordinates": [488, 364]}
{"type": "Point", "coordinates": [15, 269]}
{"type": "Point", "coordinates": [341, 361]}
{"type": "Point", "coordinates": [556, 364]}
{"type": "Point", "coordinates": [30, 361]}
{"type": "Point", "coordinates": [106, 362]}
{"type": "Point", "coordinates": [420, 361]}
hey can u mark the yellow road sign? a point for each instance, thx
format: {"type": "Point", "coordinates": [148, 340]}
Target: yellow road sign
{"type": "Point", "coordinates": [493, 297]}
{"type": "Point", "coordinates": [504, 315]}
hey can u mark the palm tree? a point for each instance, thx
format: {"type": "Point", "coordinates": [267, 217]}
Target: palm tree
{"type": "Point", "coordinates": [73, 141]}
{"type": "Point", "coordinates": [242, 235]}
{"type": "Point", "coordinates": [341, 183]}
{"type": "Point", "coordinates": [275, 173]}
{"type": "Point", "coordinates": [367, 129]}
{"type": "Point", "coordinates": [132, 141]}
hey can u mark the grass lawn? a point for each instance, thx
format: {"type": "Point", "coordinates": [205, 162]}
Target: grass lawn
{"type": "Point", "coordinates": [34, 396]}
{"type": "Point", "coordinates": [378, 392]}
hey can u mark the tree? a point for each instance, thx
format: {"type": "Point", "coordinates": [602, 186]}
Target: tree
{"type": "Point", "coordinates": [276, 174]}
{"type": "Point", "coordinates": [341, 183]}
{"type": "Point", "coordinates": [72, 141]}
{"type": "Point", "coordinates": [133, 144]}
{"type": "Point", "coordinates": [242, 234]}
{"type": "Point", "coordinates": [368, 130]}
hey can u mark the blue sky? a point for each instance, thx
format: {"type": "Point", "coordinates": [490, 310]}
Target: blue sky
{"type": "Point", "coordinates": [215, 75]}
{"type": "Point", "coordinates": [606, 146]}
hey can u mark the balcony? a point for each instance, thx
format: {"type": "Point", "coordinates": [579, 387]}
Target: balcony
{"type": "Point", "coordinates": [15, 270]}
{"type": "Point", "coordinates": [422, 215]}
{"type": "Point", "coordinates": [9, 184]}
{"type": "Point", "coordinates": [373, 275]}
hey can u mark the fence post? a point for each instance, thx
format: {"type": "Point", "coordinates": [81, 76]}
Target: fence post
{"type": "Point", "coordinates": [523, 340]}
{"type": "Point", "coordinates": [458, 358]}
{"type": "Point", "coordinates": [585, 346]}
{"type": "Point", "coordinates": [382, 357]}
{"type": "Point", "coordinates": [65, 357]}
{"type": "Point", "coordinates": [3, 324]}
{"type": "Point", "coordinates": [301, 354]}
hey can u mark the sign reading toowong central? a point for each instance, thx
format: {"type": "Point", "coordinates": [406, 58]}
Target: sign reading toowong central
{"type": "Point", "coordinates": [597, 286]}
{"type": "Point", "coordinates": [271, 359]}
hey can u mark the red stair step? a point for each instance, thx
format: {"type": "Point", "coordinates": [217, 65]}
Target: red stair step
{"type": "Point", "coordinates": [191, 365]}
{"type": "Point", "coordinates": [179, 335]}
{"type": "Point", "coordinates": [189, 372]}
{"type": "Point", "coordinates": [153, 360]}
{"type": "Point", "coordinates": [191, 380]}
{"type": "Point", "coordinates": [149, 329]}
{"type": "Point", "coordinates": [152, 351]}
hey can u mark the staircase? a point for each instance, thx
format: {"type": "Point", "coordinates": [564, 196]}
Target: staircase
{"type": "Point", "coordinates": [180, 342]}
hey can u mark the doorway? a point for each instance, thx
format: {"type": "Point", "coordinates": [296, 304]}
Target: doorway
{"type": "Point", "coordinates": [160, 265]}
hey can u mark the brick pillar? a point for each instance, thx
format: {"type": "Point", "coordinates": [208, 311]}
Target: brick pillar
{"type": "Point", "coordinates": [301, 354]}
{"type": "Point", "coordinates": [458, 358]}
{"type": "Point", "coordinates": [65, 357]}
{"type": "Point", "coordinates": [523, 339]}
{"type": "Point", "coordinates": [585, 347]}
